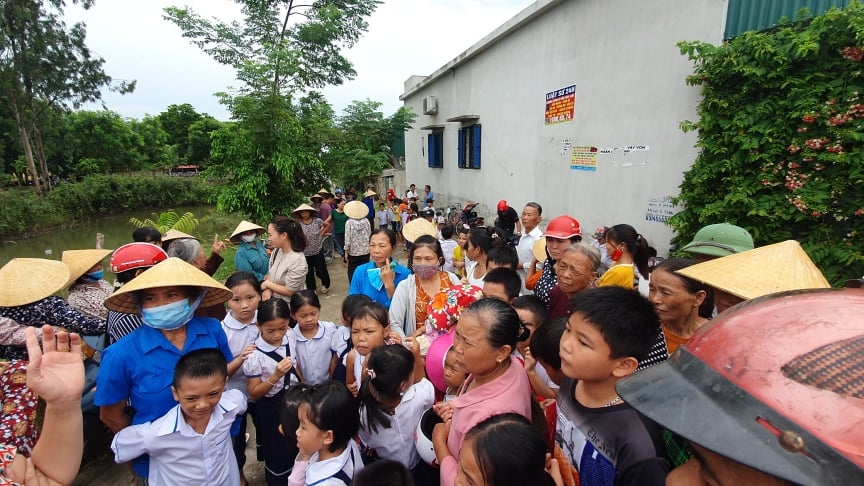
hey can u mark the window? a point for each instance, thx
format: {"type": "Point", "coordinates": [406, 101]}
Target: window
{"type": "Point", "coordinates": [436, 148]}
{"type": "Point", "coordinates": [469, 147]}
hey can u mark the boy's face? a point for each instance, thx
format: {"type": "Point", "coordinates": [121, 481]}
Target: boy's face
{"type": "Point", "coordinates": [584, 352]}
{"type": "Point", "coordinates": [199, 396]}
{"type": "Point", "coordinates": [495, 291]}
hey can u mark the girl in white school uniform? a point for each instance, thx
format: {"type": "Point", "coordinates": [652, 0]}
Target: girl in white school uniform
{"type": "Point", "coordinates": [269, 372]}
{"type": "Point", "coordinates": [392, 402]}
{"type": "Point", "coordinates": [311, 339]}
{"type": "Point", "coordinates": [329, 420]}
{"type": "Point", "coordinates": [241, 331]}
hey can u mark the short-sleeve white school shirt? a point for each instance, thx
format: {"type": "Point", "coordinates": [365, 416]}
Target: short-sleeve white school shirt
{"type": "Point", "coordinates": [313, 355]}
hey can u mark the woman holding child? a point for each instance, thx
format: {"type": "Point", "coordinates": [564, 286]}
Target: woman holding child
{"type": "Point", "coordinates": [486, 335]}
{"type": "Point", "coordinates": [140, 367]}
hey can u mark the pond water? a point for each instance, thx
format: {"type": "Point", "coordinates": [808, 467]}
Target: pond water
{"type": "Point", "coordinates": [117, 230]}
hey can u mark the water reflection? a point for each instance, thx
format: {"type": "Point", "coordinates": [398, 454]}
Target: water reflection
{"type": "Point", "coordinates": [117, 231]}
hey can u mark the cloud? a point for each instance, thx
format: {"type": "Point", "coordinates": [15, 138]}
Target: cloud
{"type": "Point", "coordinates": [405, 37]}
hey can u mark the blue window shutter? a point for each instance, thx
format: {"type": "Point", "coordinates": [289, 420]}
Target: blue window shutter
{"type": "Point", "coordinates": [460, 149]}
{"type": "Point", "coordinates": [475, 162]}
{"type": "Point", "coordinates": [439, 149]}
{"type": "Point", "coordinates": [430, 149]}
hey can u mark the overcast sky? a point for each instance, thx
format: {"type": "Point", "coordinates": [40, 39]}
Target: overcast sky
{"type": "Point", "coordinates": [405, 37]}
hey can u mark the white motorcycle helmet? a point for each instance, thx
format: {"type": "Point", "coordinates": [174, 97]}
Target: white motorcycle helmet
{"type": "Point", "coordinates": [423, 437]}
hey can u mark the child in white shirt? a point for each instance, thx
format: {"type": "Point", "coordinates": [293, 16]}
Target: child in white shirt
{"type": "Point", "coordinates": [310, 339]}
{"type": "Point", "coordinates": [190, 444]}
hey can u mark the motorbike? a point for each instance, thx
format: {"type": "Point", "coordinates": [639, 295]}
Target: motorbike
{"type": "Point", "coordinates": [469, 218]}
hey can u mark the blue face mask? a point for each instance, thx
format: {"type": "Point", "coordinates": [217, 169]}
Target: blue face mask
{"type": "Point", "coordinates": [171, 316]}
{"type": "Point", "coordinates": [94, 276]}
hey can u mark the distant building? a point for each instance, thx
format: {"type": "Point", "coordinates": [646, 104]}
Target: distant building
{"type": "Point", "coordinates": [575, 104]}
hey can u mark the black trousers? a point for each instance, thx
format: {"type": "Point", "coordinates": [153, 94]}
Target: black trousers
{"type": "Point", "coordinates": [354, 262]}
{"type": "Point", "coordinates": [317, 266]}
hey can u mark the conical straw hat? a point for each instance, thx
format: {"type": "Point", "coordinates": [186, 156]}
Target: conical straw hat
{"type": "Point", "coordinates": [167, 273]}
{"type": "Point", "coordinates": [369, 193]}
{"type": "Point", "coordinates": [304, 207]}
{"type": "Point", "coordinates": [245, 226]}
{"type": "Point", "coordinates": [356, 210]}
{"type": "Point", "coordinates": [27, 280]}
{"type": "Point", "coordinates": [79, 261]}
{"type": "Point", "coordinates": [760, 271]}
{"type": "Point", "coordinates": [539, 249]}
{"type": "Point", "coordinates": [325, 193]}
{"type": "Point", "coordinates": [417, 228]}
{"type": "Point", "coordinates": [173, 234]}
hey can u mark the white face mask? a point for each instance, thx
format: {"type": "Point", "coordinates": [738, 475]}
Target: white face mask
{"type": "Point", "coordinates": [248, 238]}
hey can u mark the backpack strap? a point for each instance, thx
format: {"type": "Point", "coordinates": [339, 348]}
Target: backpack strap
{"type": "Point", "coordinates": [277, 358]}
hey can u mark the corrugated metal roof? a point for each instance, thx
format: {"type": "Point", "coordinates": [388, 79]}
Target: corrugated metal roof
{"type": "Point", "coordinates": [744, 15]}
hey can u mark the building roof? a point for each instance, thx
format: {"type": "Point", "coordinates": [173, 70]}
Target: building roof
{"type": "Point", "coordinates": [531, 12]}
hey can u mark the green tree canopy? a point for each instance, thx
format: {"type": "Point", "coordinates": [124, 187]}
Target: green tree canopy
{"type": "Point", "coordinates": [45, 65]}
{"type": "Point", "coordinates": [280, 49]}
{"type": "Point", "coordinates": [780, 133]}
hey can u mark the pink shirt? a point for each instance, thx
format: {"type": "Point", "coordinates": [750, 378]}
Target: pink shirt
{"type": "Point", "coordinates": [509, 393]}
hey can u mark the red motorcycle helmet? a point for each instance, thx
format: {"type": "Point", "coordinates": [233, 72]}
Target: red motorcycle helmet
{"type": "Point", "coordinates": [136, 255]}
{"type": "Point", "coordinates": [563, 228]}
{"type": "Point", "coordinates": [774, 384]}
{"type": "Point", "coordinates": [502, 206]}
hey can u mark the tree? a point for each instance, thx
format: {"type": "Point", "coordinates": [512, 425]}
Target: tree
{"type": "Point", "coordinates": [281, 47]}
{"type": "Point", "coordinates": [176, 120]}
{"type": "Point", "coordinates": [102, 141]}
{"type": "Point", "coordinates": [780, 132]}
{"type": "Point", "coordinates": [364, 147]}
{"type": "Point", "coordinates": [44, 65]}
{"type": "Point", "coordinates": [199, 139]}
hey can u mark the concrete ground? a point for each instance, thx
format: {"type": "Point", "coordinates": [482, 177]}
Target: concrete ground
{"type": "Point", "coordinates": [99, 468]}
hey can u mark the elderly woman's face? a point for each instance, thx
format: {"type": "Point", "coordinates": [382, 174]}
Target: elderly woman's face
{"type": "Point", "coordinates": [574, 272]}
{"type": "Point", "coordinates": [472, 346]}
{"type": "Point", "coordinates": [158, 296]}
{"type": "Point", "coordinates": [671, 299]}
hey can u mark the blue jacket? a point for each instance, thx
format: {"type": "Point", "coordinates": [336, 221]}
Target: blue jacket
{"type": "Point", "coordinates": [252, 259]}
{"type": "Point", "coordinates": [360, 283]}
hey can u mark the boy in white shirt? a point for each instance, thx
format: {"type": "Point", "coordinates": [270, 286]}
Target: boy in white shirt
{"type": "Point", "coordinates": [191, 443]}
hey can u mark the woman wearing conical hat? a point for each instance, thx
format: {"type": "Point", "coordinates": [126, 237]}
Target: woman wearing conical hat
{"type": "Point", "coordinates": [26, 288]}
{"type": "Point", "coordinates": [251, 256]}
{"type": "Point", "coordinates": [87, 289]}
{"type": "Point", "coordinates": [139, 368]}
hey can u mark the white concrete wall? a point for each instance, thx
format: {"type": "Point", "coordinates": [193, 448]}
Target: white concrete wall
{"type": "Point", "coordinates": [630, 90]}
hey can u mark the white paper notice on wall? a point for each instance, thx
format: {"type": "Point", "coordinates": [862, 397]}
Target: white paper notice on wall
{"type": "Point", "coordinates": [660, 209]}
{"type": "Point", "coordinates": [606, 150]}
{"type": "Point", "coordinates": [636, 148]}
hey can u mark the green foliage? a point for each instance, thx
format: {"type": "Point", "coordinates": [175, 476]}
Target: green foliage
{"type": "Point", "coordinates": [44, 66]}
{"type": "Point", "coordinates": [780, 133]}
{"type": "Point", "coordinates": [23, 211]}
{"type": "Point", "coordinates": [362, 148]}
{"type": "Point", "coordinates": [168, 220]}
{"type": "Point", "coordinates": [272, 154]}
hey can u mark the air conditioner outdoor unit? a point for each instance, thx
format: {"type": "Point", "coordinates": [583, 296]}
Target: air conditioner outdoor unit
{"type": "Point", "coordinates": [430, 105]}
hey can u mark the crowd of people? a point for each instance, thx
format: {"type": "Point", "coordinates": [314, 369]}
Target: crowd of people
{"type": "Point", "coordinates": [513, 354]}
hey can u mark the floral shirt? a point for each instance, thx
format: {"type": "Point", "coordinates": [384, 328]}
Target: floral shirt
{"type": "Point", "coordinates": [357, 234]}
{"type": "Point", "coordinates": [91, 300]}
{"type": "Point", "coordinates": [50, 310]}
{"type": "Point", "coordinates": [314, 239]}
{"type": "Point", "coordinates": [421, 306]}
{"type": "Point", "coordinates": [18, 423]}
